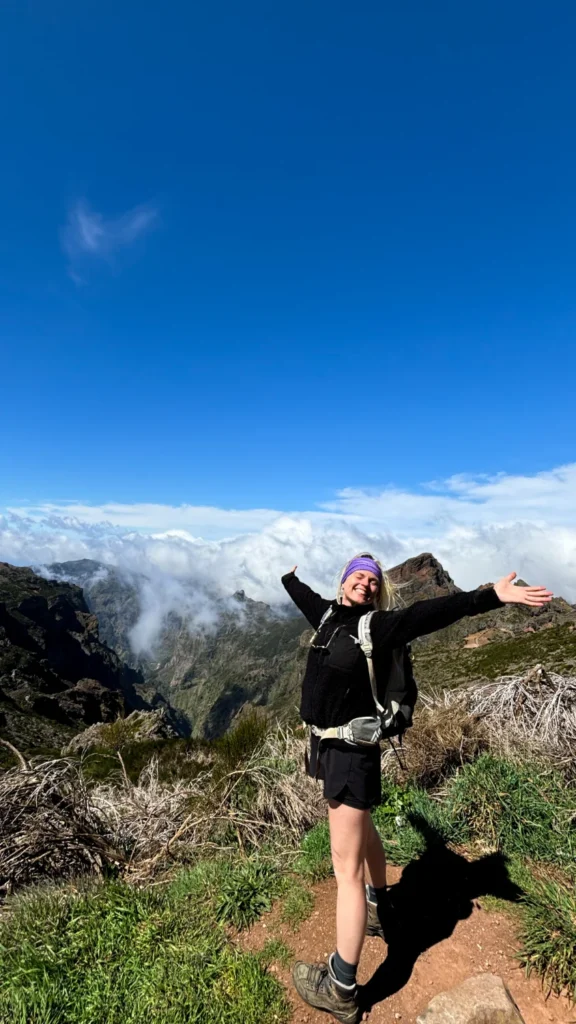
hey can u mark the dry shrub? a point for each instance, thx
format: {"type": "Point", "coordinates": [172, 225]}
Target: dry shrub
{"type": "Point", "coordinates": [284, 797]}
{"type": "Point", "coordinates": [530, 716]}
{"type": "Point", "coordinates": [141, 818]}
{"type": "Point", "coordinates": [537, 709]}
{"type": "Point", "coordinates": [52, 824]}
{"type": "Point", "coordinates": [48, 826]}
{"type": "Point", "coordinates": [265, 799]}
{"type": "Point", "coordinates": [441, 740]}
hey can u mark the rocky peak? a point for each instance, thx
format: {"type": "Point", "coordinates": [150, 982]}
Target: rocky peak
{"type": "Point", "coordinates": [422, 577]}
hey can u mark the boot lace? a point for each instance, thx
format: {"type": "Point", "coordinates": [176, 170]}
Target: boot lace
{"type": "Point", "coordinates": [317, 974]}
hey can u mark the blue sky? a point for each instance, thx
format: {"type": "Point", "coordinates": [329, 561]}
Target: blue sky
{"type": "Point", "coordinates": [253, 255]}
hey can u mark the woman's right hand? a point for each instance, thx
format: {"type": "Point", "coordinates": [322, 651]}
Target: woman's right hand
{"type": "Point", "coordinates": [293, 569]}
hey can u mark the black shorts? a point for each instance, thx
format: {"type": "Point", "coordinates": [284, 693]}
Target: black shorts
{"type": "Point", "coordinates": [351, 775]}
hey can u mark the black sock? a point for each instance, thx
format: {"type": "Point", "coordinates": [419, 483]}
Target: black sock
{"type": "Point", "coordinates": [343, 972]}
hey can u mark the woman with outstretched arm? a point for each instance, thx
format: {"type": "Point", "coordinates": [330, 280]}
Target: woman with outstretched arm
{"type": "Point", "coordinates": [336, 690]}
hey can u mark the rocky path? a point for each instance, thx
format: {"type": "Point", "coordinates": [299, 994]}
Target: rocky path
{"type": "Point", "coordinates": [483, 941]}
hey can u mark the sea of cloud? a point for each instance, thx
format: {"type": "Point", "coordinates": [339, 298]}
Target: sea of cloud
{"type": "Point", "coordinates": [192, 556]}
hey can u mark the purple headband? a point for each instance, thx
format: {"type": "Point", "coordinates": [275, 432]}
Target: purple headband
{"type": "Point", "coordinates": [362, 563]}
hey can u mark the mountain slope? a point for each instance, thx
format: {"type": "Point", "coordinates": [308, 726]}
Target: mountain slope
{"type": "Point", "coordinates": [257, 655]}
{"type": "Point", "coordinates": [252, 654]}
{"type": "Point", "coordinates": [55, 674]}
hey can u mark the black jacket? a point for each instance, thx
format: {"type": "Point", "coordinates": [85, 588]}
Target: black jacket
{"type": "Point", "coordinates": [336, 686]}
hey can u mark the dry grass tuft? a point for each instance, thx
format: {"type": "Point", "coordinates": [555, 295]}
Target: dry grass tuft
{"type": "Point", "coordinates": [440, 741]}
{"type": "Point", "coordinates": [141, 818]}
{"type": "Point", "coordinates": [539, 707]}
{"type": "Point", "coordinates": [284, 797]}
{"type": "Point", "coordinates": [48, 826]}
{"type": "Point", "coordinates": [264, 799]}
{"type": "Point", "coordinates": [53, 824]}
{"type": "Point", "coordinates": [531, 715]}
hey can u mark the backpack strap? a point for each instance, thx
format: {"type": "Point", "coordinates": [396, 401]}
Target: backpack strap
{"type": "Point", "coordinates": [365, 641]}
{"type": "Point", "coordinates": [324, 619]}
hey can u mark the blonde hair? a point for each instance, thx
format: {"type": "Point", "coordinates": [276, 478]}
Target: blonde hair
{"type": "Point", "coordinates": [387, 597]}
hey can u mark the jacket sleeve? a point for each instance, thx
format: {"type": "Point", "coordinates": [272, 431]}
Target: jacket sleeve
{"type": "Point", "coordinates": [310, 604]}
{"type": "Point", "coordinates": [400, 627]}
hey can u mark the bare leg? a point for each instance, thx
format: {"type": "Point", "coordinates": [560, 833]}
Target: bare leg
{"type": "Point", "coordinates": [348, 833]}
{"type": "Point", "coordinates": [375, 857]}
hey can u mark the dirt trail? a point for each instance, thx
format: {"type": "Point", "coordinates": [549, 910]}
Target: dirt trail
{"type": "Point", "coordinates": [484, 941]}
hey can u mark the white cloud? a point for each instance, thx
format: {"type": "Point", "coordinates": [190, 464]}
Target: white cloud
{"type": "Point", "coordinates": [545, 498]}
{"type": "Point", "coordinates": [172, 520]}
{"type": "Point", "coordinates": [479, 528]}
{"type": "Point", "coordinates": [89, 237]}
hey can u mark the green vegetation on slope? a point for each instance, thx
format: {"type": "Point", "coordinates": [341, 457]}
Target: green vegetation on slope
{"type": "Point", "coordinates": [438, 664]}
{"type": "Point", "coordinates": [113, 953]}
{"type": "Point", "coordinates": [517, 819]}
{"type": "Point", "coordinates": [549, 934]}
{"type": "Point", "coordinates": [516, 808]}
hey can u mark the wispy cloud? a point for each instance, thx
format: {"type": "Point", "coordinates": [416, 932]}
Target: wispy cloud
{"type": "Point", "coordinates": [546, 497]}
{"type": "Point", "coordinates": [89, 238]}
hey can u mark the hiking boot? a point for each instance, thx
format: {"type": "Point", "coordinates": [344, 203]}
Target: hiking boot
{"type": "Point", "coordinates": [382, 920]}
{"type": "Point", "coordinates": [317, 986]}
{"type": "Point", "coordinates": [373, 925]}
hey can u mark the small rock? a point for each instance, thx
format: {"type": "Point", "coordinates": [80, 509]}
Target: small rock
{"type": "Point", "coordinates": [483, 999]}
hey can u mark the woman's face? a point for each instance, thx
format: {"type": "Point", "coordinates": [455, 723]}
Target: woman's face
{"type": "Point", "coordinates": [360, 587]}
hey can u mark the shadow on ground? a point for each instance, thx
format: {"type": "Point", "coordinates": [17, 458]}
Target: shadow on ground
{"type": "Point", "coordinates": [434, 893]}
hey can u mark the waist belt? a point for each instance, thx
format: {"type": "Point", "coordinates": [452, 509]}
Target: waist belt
{"type": "Point", "coordinates": [364, 731]}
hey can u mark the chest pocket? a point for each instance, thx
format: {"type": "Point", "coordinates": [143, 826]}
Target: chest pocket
{"type": "Point", "coordinates": [342, 653]}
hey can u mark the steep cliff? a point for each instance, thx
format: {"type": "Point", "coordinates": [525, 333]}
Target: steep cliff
{"type": "Point", "coordinates": [56, 676]}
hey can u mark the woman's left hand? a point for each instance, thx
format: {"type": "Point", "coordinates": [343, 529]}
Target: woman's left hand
{"type": "Point", "coordinates": [535, 597]}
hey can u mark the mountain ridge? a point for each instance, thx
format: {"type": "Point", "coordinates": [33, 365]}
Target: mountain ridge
{"type": "Point", "coordinates": [255, 656]}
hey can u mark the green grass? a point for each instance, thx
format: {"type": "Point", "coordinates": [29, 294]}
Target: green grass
{"type": "Point", "coordinates": [297, 904]}
{"type": "Point", "coordinates": [548, 935]}
{"type": "Point", "coordinates": [119, 955]}
{"type": "Point", "coordinates": [246, 892]}
{"type": "Point", "coordinates": [234, 892]}
{"type": "Point", "coordinates": [516, 808]}
{"type": "Point", "coordinates": [275, 951]}
{"type": "Point", "coordinates": [237, 746]}
{"type": "Point", "coordinates": [407, 816]}
{"type": "Point", "coordinates": [314, 861]}
{"type": "Point", "coordinates": [178, 759]}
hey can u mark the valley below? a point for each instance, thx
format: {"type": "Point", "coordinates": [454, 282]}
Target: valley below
{"type": "Point", "coordinates": [254, 655]}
